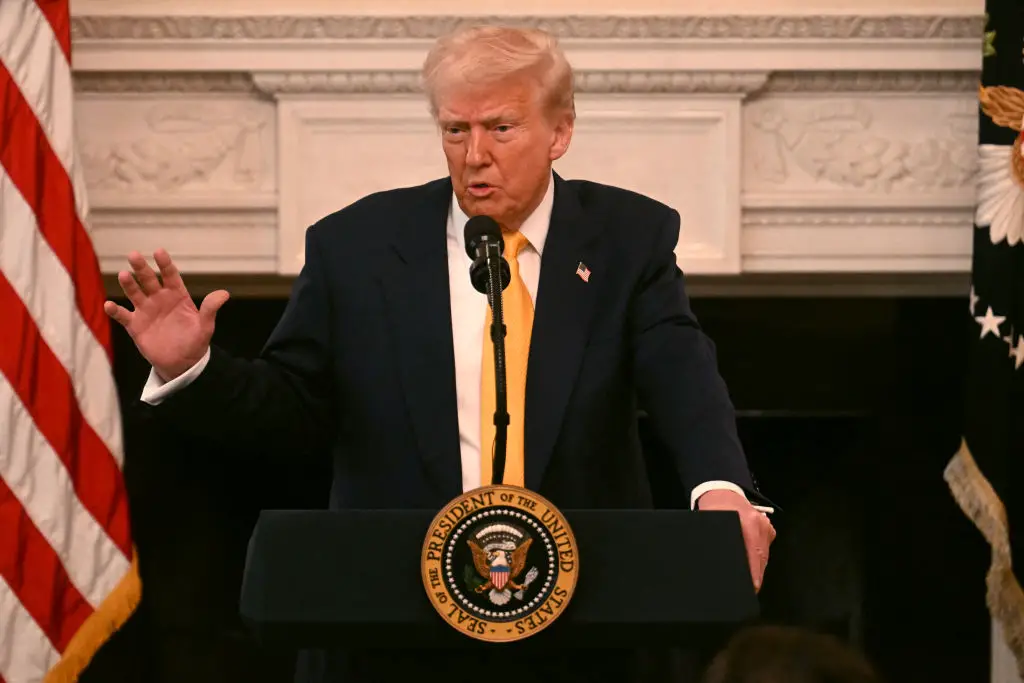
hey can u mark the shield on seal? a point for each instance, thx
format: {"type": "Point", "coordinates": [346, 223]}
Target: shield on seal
{"type": "Point", "coordinates": [499, 576]}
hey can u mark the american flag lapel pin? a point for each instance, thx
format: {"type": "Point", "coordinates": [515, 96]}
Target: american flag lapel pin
{"type": "Point", "coordinates": [583, 271]}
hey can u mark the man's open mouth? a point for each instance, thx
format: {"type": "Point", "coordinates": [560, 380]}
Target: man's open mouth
{"type": "Point", "coordinates": [480, 189]}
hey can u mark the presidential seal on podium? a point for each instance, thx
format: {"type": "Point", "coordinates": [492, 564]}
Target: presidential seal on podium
{"type": "Point", "coordinates": [499, 563]}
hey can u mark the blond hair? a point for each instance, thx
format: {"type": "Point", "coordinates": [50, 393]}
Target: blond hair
{"type": "Point", "coordinates": [487, 54]}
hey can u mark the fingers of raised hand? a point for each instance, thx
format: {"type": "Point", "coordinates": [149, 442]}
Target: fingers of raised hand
{"type": "Point", "coordinates": [143, 273]}
{"type": "Point", "coordinates": [131, 288]}
{"type": "Point", "coordinates": [143, 281]}
{"type": "Point", "coordinates": [118, 313]}
{"type": "Point", "coordinates": [168, 271]}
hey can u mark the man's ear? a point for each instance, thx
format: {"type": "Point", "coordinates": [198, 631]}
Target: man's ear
{"type": "Point", "coordinates": [562, 136]}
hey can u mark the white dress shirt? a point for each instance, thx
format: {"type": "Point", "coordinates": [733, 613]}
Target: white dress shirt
{"type": "Point", "coordinates": [469, 315]}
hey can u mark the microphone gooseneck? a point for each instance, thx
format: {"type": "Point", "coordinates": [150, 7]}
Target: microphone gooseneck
{"type": "Point", "coordinates": [490, 275]}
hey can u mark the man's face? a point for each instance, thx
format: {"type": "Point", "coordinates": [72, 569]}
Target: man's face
{"type": "Point", "coordinates": [499, 141]}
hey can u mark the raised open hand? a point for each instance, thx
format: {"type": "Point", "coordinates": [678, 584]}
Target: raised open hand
{"type": "Point", "coordinates": [167, 328]}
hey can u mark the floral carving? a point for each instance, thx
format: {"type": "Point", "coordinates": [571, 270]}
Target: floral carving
{"type": "Point", "coordinates": [185, 144]}
{"type": "Point", "coordinates": [834, 142]}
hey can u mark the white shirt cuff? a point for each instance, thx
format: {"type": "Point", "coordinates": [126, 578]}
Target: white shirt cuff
{"type": "Point", "coordinates": [700, 490]}
{"type": "Point", "coordinates": [156, 390]}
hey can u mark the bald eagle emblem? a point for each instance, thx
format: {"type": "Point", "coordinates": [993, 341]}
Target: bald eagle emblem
{"type": "Point", "coordinates": [499, 557]}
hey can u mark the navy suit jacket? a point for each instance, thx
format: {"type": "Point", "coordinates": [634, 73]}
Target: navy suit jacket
{"type": "Point", "coordinates": [361, 364]}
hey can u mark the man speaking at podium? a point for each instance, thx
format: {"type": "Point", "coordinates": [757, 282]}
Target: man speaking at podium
{"type": "Point", "coordinates": [381, 356]}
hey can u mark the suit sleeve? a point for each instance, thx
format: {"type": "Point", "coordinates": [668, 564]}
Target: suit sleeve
{"type": "Point", "coordinates": [678, 383]}
{"type": "Point", "coordinates": [281, 400]}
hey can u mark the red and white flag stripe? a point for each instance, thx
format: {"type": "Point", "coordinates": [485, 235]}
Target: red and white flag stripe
{"type": "Point", "coordinates": [67, 571]}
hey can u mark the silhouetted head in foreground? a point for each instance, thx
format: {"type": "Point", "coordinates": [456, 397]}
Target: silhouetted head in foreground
{"type": "Point", "coordinates": [776, 654]}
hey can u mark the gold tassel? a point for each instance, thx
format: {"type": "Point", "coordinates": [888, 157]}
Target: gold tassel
{"type": "Point", "coordinates": [110, 616]}
{"type": "Point", "coordinates": [978, 500]}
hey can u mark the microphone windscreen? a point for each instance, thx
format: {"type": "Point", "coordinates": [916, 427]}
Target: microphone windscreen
{"type": "Point", "coordinates": [480, 229]}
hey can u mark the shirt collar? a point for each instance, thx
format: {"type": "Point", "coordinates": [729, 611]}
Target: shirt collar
{"type": "Point", "coordinates": [535, 227]}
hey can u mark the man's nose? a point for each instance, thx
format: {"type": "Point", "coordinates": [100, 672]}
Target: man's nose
{"type": "Point", "coordinates": [478, 149]}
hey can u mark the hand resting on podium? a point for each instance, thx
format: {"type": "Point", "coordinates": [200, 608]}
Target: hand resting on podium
{"type": "Point", "coordinates": [758, 532]}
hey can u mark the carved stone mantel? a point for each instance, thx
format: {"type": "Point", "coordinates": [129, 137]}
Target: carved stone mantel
{"type": "Point", "coordinates": [796, 142]}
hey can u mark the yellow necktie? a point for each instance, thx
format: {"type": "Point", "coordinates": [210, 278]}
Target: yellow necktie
{"type": "Point", "coordinates": [518, 314]}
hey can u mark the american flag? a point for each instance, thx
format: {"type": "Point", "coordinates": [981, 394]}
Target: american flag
{"type": "Point", "coordinates": [583, 272]}
{"type": "Point", "coordinates": [68, 574]}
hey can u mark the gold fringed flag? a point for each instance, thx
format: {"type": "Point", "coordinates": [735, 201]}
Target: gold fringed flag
{"type": "Point", "coordinates": [986, 476]}
{"type": "Point", "coordinates": [68, 574]}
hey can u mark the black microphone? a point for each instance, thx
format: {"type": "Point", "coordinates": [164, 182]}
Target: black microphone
{"type": "Point", "coordinates": [490, 275]}
{"type": "Point", "coordinates": [483, 241]}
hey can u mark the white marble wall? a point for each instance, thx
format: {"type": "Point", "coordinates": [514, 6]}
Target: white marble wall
{"type": "Point", "coordinates": [801, 139]}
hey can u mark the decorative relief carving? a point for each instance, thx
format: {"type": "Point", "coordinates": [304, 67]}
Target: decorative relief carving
{"type": "Point", "coordinates": [119, 82]}
{"type": "Point", "coordinates": [172, 145]}
{"type": "Point", "coordinates": [874, 81]}
{"type": "Point", "coordinates": [639, 82]}
{"type": "Point", "coordinates": [634, 82]}
{"type": "Point", "coordinates": [598, 27]}
{"type": "Point", "coordinates": [838, 142]}
{"type": "Point", "coordinates": [654, 82]}
{"type": "Point", "coordinates": [853, 219]}
{"type": "Point", "coordinates": [341, 82]}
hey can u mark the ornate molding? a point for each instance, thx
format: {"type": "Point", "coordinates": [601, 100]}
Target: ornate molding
{"type": "Point", "coordinates": [635, 82]}
{"type": "Point", "coordinates": [711, 28]}
{"type": "Point", "coordinates": [874, 81]}
{"type": "Point", "coordinates": [952, 218]}
{"type": "Point", "coordinates": [654, 82]}
{"type": "Point", "coordinates": [340, 82]}
{"type": "Point", "coordinates": [203, 240]}
{"type": "Point", "coordinates": [122, 82]}
{"type": "Point", "coordinates": [388, 82]}
{"type": "Point", "coordinates": [187, 218]}
{"type": "Point", "coordinates": [857, 237]}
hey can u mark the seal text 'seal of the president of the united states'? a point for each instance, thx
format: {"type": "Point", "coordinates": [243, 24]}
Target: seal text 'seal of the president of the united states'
{"type": "Point", "coordinates": [499, 563]}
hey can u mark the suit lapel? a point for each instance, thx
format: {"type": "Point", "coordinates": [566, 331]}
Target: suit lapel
{"type": "Point", "coordinates": [561, 323]}
{"type": "Point", "coordinates": [416, 288]}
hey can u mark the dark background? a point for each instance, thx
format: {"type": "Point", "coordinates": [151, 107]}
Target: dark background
{"type": "Point", "coordinates": [849, 410]}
